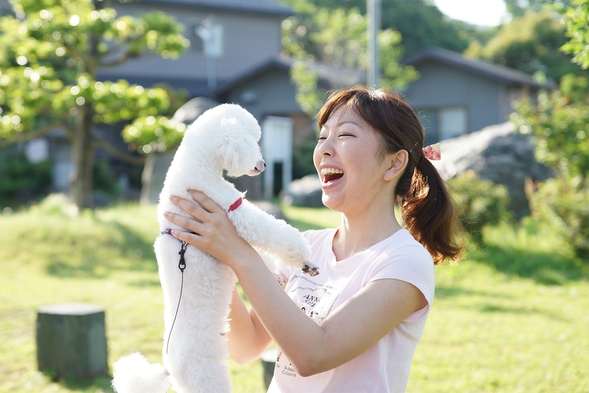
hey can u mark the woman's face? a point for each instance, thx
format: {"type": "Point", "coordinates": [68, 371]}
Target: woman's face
{"type": "Point", "coordinates": [350, 162]}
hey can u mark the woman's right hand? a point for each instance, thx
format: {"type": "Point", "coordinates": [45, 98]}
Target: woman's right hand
{"type": "Point", "coordinates": [209, 229]}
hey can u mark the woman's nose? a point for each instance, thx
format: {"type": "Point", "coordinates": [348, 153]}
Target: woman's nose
{"type": "Point", "coordinates": [325, 148]}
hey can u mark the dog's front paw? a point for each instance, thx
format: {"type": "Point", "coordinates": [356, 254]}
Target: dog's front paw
{"type": "Point", "coordinates": [311, 269]}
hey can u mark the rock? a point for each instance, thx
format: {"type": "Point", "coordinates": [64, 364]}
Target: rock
{"type": "Point", "coordinates": [192, 109]}
{"type": "Point", "coordinates": [305, 192]}
{"type": "Point", "coordinates": [497, 153]}
{"type": "Point", "coordinates": [154, 174]}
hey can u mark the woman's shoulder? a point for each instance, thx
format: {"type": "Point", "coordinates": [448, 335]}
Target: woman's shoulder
{"type": "Point", "coordinates": [404, 258]}
{"type": "Point", "coordinates": [403, 251]}
{"type": "Point", "coordinates": [315, 235]}
{"type": "Point", "coordinates": [402, 241]}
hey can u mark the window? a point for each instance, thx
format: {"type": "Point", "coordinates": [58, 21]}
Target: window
{"type": "Point", "coordinates": [443, 123]}
{"type": "Point", "coordinates": [451, 122]}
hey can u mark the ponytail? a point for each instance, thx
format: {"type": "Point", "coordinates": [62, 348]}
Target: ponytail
{"type": "Point", "coordinates": [428, 212]}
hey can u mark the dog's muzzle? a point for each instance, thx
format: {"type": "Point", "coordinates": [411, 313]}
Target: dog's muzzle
{"type": "Point", "coordinates": [260, 166]}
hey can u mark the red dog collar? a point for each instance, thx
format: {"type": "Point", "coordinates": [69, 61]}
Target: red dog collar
{"type": "Point", "coordinates": [236, 204]}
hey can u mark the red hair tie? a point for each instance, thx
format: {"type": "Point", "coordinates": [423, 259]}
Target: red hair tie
{"type": "Point", "coordinates": [432, 152]}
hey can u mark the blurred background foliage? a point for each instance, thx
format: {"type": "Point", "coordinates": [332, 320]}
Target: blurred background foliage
{"type": "Point", "coordinates": [547, 39]}
{"type": "Point", "coordinates": [544, 38]}
{"type": "Point", "coordinates": [49, 55]}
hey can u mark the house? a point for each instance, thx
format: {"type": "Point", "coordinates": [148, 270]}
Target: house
{"type": "Point", "coordinates": [456, 95]}
{"type": "Point", "coordinates": [228, 37]}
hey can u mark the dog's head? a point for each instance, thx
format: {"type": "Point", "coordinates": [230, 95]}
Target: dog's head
{"type": "Point", "coordinates": [231, 134]}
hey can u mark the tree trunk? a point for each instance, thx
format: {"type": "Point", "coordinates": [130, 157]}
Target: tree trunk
{"type": "Point", "coordinates": [82, 160]}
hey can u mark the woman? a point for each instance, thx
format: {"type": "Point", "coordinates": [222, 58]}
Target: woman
{"type": "Point", "coordinates": [364, 314]}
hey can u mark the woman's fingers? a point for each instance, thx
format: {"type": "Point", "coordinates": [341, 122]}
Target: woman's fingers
{"type": "Point", "coordinates": [204, 201]}
{"type": "Point", "coordinates": [190, 207]}
{"type": "Point", "coordinates": [206, 219]}
{"type": "Point", "coordinates": [191, 225]}
{"type": "Point", "coordinates": [188, 237]}
{"type": "Point", "coordinates": [207, 227]}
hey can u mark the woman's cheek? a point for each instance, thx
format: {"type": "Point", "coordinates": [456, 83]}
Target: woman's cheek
{"type": "Point", "coordinates": [316, 158]}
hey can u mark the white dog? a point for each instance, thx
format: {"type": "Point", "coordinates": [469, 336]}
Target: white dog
{"type": "Point", "coordinates": [197, 297]}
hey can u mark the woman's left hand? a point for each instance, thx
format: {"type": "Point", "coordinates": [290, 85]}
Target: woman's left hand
{"type": "Point", "coordinates": [209, 228]}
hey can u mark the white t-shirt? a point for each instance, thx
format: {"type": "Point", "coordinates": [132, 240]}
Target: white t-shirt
{"type": "Point", "coordinates": [385, 366]}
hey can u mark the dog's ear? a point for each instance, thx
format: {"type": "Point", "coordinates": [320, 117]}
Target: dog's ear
{"type": "Point", "coordinates": [238, 151]}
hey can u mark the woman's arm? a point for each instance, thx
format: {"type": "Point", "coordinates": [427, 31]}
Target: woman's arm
{"type": "Point", "coordinates": [346, 333]}
{"type": "Point", "coordinates": [247, 339]}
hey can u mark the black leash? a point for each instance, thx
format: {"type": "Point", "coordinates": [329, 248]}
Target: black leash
{"type": "Point", "coordinates": [181, 266]}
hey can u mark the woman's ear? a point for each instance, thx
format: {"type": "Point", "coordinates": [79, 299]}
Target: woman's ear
{"type": "Point", "coordinates": [397, 163]}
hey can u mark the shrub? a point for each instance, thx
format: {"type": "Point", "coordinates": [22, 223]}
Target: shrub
{"type": "Point", "coordinates": [559, 202]}
{"type": "Point", "coordinates": [56, 205]}
{"type": "Point", "coordinates": [479, 202]}
{"type": "Point", "coordinates": [104, 178]}
{"type": "Point", "coordinates": [21, 180]}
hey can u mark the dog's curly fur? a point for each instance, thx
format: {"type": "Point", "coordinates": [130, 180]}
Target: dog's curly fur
{"type": "Point", "coordinates": [223, 138]}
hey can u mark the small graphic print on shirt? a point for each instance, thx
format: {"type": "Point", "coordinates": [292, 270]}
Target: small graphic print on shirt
{"type": "Point", "coordinates": [315, 299]}
{"type": "Point", "coordinates": [285, 369]}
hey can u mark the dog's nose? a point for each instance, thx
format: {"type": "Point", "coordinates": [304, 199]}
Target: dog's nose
{"type": "Point", "coordinates": [260, 166]}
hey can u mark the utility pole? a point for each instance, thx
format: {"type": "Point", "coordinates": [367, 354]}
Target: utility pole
{"type": "Point", "coordinates": [373, 7]}
{"type": "Point", "coordinates": [211, 34]}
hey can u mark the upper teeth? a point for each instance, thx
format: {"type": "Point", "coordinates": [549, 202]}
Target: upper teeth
{"type": "Point", "coordinates": [330, 171]}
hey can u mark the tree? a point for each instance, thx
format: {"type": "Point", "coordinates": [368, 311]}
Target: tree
{"type": "Point", "coordinates": [559, 121]}
{"type": "Point", "coordinates": [576, 18]}
{"type": "Point", "coordinates": [420, 23]}
{"type": "Point", "coordinates": [518, 8]}
{"type": "Point", "coordinates": [49, 56]}
{"type": "Point", "coordinates": [337, 38]}
{"type": "Point", "coordinates": [559, 124]}
{"type": "Point", "coordinates": [530, 43]}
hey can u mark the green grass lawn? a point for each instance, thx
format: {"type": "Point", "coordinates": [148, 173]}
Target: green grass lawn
{"type": "Point", "coordinates": [512, 317]}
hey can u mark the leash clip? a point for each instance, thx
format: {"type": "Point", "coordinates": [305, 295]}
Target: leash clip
{"type": "Point", "coordinates": [182, 261]}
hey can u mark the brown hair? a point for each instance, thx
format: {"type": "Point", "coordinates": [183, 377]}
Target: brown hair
{"type": "Point", "coordinates": [426, 206]}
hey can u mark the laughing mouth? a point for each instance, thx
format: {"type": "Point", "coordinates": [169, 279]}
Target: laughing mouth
{"type": "Point", "coordinates": [331, 174]}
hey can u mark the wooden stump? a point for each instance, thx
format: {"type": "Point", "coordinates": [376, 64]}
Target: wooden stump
{"type": "Point", "coordinates": [71, 341]}
{"type": "Point", "coordinates": [268, 360]}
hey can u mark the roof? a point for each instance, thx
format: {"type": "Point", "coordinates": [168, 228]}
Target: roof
{"type": "Point", "coordinates": [278, 62]}
{"type": "Point", "coordinates": [483, 68]}
{"type": "Point", "coordinates": [335, 76]}
{"type": "Point", "coordinates": [268, 7]}
{"type": "Point", "coordinates": [195, 87]}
